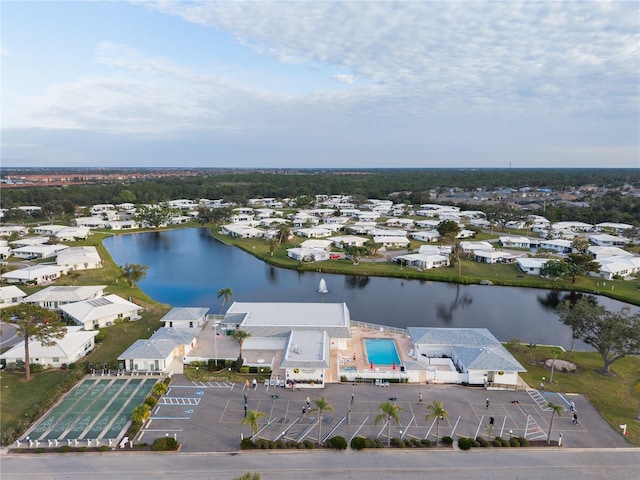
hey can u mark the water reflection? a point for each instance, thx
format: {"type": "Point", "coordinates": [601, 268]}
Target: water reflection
{"type": "Point", "coordinates": [356, 281]}
{"type": "Point", "coordinates": [445, 311]}
{"type": "Point", "coordinates": [550, 300]}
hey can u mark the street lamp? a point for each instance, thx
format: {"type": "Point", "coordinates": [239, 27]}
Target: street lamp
{"type": "Point", "coordinates": [197, 372]}
{"type": "Point", "coordinates": [510, 434]}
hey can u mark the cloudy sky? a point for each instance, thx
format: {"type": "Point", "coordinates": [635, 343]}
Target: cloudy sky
{"type": "Point", "coordinates": [320, 84]}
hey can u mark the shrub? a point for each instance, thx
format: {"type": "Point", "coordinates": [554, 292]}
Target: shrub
{"type": "Point", "coordinates": [523, 442]}
{"type": "Point", "coordinates": [309, 444]}
{"type": "Point", "coordinates": [151, 401]}
{"type": "Point", "coordinates": [425, 442]}
{"type": "Point", "coordinates": [164, 443]}
{"type": "Point", "coordinates": [82, 449]}
{"type": "Point", "coordinates": [497, 442]}
{"type": "Point", "coordinates": [514, 442]}
{"type": "Point", "coordinates": [244, 369]}
{"type": "Point", "coordinates": [276, 444]}
{"type": "Point", "coordinates": [447, 441]}
{"type": "Point", "coordinates": [262, 443]}
{"type": "Point", "coordinates": [42, 450]}
{"type": "Point", "coordinates": [64, 449]}
{"type": "Point", "coordinates": [72, 366]}
{"type": "Point", "coordinates": [464, 443]}
{"type": "Point", "coordinates": [104, 448]}
{"type": "Point", "coordinates": [358, 443]}
{"type": "Point", "coordinates": [475, 443]}
{"type": "Point", "coordinates": [291, 444]}
{"type": "Point", "coordinates": [337, 442]}
{"type": "Point", "coordinates": [482, 442]}
{"type": "Point", "coordinates": [63, 366]}
{"type": "Point", "coordinates": [415, 442]}
{"type": "Point", "coordinates": [102, 334]}
{"type": "Point", "coordinates": [134, 428]}
{"type": "Point", "coordinates": [246, 444]}
{"type": "Point", "coordinates": [396, 442]}
{"type": "Point", "coordinates": [159, 389]}
{"type": "Point", "coordinates": [377, 443]}
{"type": "Point", "coordinates": [36, 368]}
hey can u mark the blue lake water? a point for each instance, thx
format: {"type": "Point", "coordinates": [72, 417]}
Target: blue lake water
{"type": "Point", "coordinates": [187, 267]}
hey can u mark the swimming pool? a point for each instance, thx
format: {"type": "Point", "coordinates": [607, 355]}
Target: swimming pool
{"type": "Point", "coordinates": [381, 351]}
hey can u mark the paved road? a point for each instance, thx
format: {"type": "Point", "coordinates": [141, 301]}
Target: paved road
{"type": "Point", "coordinates": [478, 464]}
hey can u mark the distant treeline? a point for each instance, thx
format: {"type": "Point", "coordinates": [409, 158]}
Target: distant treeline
{"type": "Point", "coordinates": [413, 185]}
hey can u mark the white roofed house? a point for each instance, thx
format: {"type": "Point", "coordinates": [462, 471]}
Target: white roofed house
{"type": "Point", "coordinates": [469, 355]}
{"type": "Point", "coordinates": [314, 232]}
{"type": "Point", "coordinates": [39, 251]}
{"type": "Point", "coordinates": [619, 266]}
{"type": "Point", "coordinates": [72, 347]}
{"type": "Point", "coordinates": [614, 227]}
{"type": "Point", "coordinates": [79, 258]}
{"type": "Point", "coordinates": [8, 230]}
{"type": "Point", "coordinates": [162, 352]}
{"type": "Point", "coordinates": [92, 222]}
{"type": "Point", "coordinates": [392, 241]}
{"type": "Point", "coordinates": [317, 244]}
{"type": "Point", "coordinates": [185, 317]}
{"type": "Point", "coordinates": [308, 254]}
{"type": "Point", "coordinates": [69, 234]}
{"type": "Point", "coordinates": [515, 242]}
{"type": "Point", "coordinates": [531, 265]}
{"type": "Point", "coordinates": [423, 261]}
{"type": "Point", "coordinates": [560, 246]}
{"type": "Point", "coordinates": [493, 256]}
{"type": "Point", "coordinates": [348, 241]}
{"type": "Point", "coordinates": [55, 296]}
{"type": "Point", "coordinates": [101, 312]}
{"type": "Point", "coordinates": [10, 296]}
{"type": "Point", "coordinates": [49, 230]}
{"type": "Point", "coordinates": [240, 230]}
{"type": "Point", "coordinates": [37, 274]}
{"type": "Point", "coordinates": [606, 240]}
{"type": "Point", "coordinates": [426, 236]}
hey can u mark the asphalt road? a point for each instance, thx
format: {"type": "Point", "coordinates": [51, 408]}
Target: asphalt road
{"type": "Point", "coordinates": [478, 464]}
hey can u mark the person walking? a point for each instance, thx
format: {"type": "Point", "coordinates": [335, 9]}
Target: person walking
{"type": "Point", "coordinates": [488, 403]}
{"type": "Point", "coordinates": [308, 402]}
{"type": "Point", "coordinates": [420, 398]}
{"type": "Point", "coordinates": [575, 418]}
{"type": "Point", "coordinates": [353, 398]}
{"type": "Point", "coordinates": [491, 420]}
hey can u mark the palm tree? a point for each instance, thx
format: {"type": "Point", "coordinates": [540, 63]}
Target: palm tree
{"type": "Point", "coordinates": [321, 405]}
{"type": "Point", "coordinates": [437, 410]}
{"type": "Point", "coordinates": [284, 232]}
{"type": "Point", "coordinates": [240, 335]}
{"type": "Point", "coordinates": [638, 392]}
{"type": "Point", "coordinates": [225, 293]}
{"type": "Point", "coordinates": [554, 409]}
{"type": "Point", "coordinates": [251, 419]}
{"type": "Point", "coordinates": [389, 411]}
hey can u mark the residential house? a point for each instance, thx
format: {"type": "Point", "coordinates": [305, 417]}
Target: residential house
{"type": "Point", "coordinates": [307, 254]}
{"type": "Point", "coordinates": [39, 251]}
{"type": "Point", "coordinates": [423, 261]}
{"type": "Point", "coordinates": [37, 274]}
{"type": "Point", "coordinates": [317, 244]}
{"type": "Point", "coordinates": [531, 265]}
{"type": "Point", "coordinates": [560, 246]}
{"type": "Point", "coordinates": [101, 312]}
{"type": "Point", "coordinates": [426, 236]}
{"type": "Point", "coordinates": [240, 230]}
{"type": "Point", "coordinates": [8, 230]}
{"type": "Point", "coordinates": [185, 317]}
{"type": "Point", "coordinates": [314, 232]}
{"type": "Point", "coordinates": [606, 240]}
{"type": "Point", "coordinates": [515, 242]}
{"type": "Point", "coordinates": [72, 347]}
{"type": "Point", "coordinates": [348, 241]}
{"type": "Point", "coordinates": [55, 296]}
{"type": "Point", "coordinates": [79, 258]}
{"type": "Point", "coordinates": [618, 228]}
{"type": "Point", "coordinates": [10, 296]}
{"type": "Point", "coordinates": [392, 241]}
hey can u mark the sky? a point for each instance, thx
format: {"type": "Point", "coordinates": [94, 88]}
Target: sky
{"type": "Point", "coordinates": [320, 84]}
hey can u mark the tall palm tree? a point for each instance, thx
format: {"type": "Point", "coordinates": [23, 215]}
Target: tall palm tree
{"type": "Point", "coordinates": [225, 293]}
{"type": "Point", "coordinates": [251, 419]}
{"type": "Point", "coordinates": [437, 410]}
{"type": "Point", "coordinates": [554, 409]}
{"type": "Point", "coordinates": [284, 232]}
{"type": "Point", "coordinates": [240, 336]}
{"type": "Point", "coordinates": [388, 411]}
{"type": "Point", "coordinates": [321, 405]}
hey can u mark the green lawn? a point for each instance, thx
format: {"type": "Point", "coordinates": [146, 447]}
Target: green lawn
{"type": "Point", "coordinates": [614, 396]}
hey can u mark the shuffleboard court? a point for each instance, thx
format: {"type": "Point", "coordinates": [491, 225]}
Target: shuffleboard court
{"type": "Point", "coordinates": [94, 409]}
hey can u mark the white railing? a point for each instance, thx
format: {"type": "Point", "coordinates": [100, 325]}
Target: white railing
{"type": "Point", "coordinates": [381, 328]}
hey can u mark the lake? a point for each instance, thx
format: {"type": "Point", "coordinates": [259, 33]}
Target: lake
{"type": "Point", "coordinates": [188, 266]}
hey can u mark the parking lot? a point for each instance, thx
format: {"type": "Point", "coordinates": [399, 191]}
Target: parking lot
{"type": "Point", "coordinates": [207, 416]}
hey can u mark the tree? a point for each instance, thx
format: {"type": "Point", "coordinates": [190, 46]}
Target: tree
{"type": "Point", "coordinates": [448, 230]}
{"type": "Point", "coordinates": [638, 392]}
{"type": "Point", "coordinates": [437, 410]}
{"type": "Point", "coordinates": [555, 269]}
{"type": "Point", "coordinates": [284, 232]}
{"type": "Point", "coordinates": [34, 323]}
{"type": "Point", "coordinates": [554, 409]}
{"type": "Point", "coordinates": [240, 336]}
{"type": "Point", "coordinates": [73, 275]}
{"type": "Point", "coordinates": [580, 245]}
{"type": "Point", "coordinates": [373, 247]}
{"type": "Point", "coordinates": [251, 419]}
{"type": "Point", "coordinates": [205, 214]}
{"type": "Point", "coordinates": [140, 413]}
{"type": "Point", "coordinates": [577, 314]}
{"type": "Point", "coordinates": [321, 405]}
{"type": "Point", "coordinates": [581, 264]}
{"type": "Point", "coordinates": [272, 245]}
{"type": "Point", "coordinates": [134, 272]}
{"type": "Point", "coordinates": [613, 334]}
{"type": "Point", "coordinates": [153, 215]}
{"type": "Point", "coordinates": [225, 293]}
{"type": "Point", "coordinates": [356, 253]}
{"type": "Point", "coordinates": [388, 411]}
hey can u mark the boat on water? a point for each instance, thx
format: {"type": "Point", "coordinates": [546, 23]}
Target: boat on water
{"type": "Point", "coordinates": [322, 288]}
